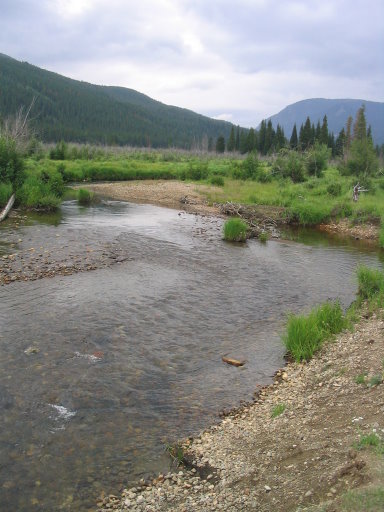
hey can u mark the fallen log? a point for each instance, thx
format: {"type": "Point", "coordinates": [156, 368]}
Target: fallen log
{"type": "Point", "coordinates": [8, 208]}
{"type": "Point", "coordinates": [233, 362]}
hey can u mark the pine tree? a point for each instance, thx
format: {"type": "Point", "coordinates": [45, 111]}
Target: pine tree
{"type": "Point", "coordinates": [251, 140]}
{"type": "Point", "coordinates": [324, 131]}
{"type": "Point", "coordinates": [340, 143]}
{"type": "Point", "coordinates": [360, 126]}
{"type": "Point", "coordinates": [280, 141]}
{"type": "Point", "coordinates": [293, 141]}
{"type": "Point", "coordinates": [262, 135]}
{"type": "Point", "coordinates": [231, 141]}
{"type": "Point", "coordinates": [220, 144]}
{"type": "Point", "coordinates": [269, 138]}
{"type": "Point", "coordinates": [237, 143]}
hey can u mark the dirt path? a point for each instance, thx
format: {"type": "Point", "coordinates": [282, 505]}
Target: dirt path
{"type": "Point", "coordinates": [303, 457]}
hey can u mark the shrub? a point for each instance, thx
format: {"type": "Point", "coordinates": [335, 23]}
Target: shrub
{"type": "Point", "coordinates": [306, 334]}
{"type": "Point", "coordinates": [334, 189]}
{"type": "Point", "coordinates": [235, 230]}
{"type": "Point", "coordinates": [85, 197]}
{"type": "Point", "coordinates": [59, 152]}
{"type": "Point", "coordinates": [217, 180]}
{"type": "Point", "coordinates": [317, 159]}
{"type": "Point", "coordinates": [290, 164]}
{"type": "Point", "coordinates": [263, 237]}
{"type": "Point", "coordinates": [250, 167]}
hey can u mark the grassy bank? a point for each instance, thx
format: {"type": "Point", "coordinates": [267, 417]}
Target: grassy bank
{"type": "Point", "coordinates": [307, 199]}
{"type": "Point", "coordinates": [305, 334]}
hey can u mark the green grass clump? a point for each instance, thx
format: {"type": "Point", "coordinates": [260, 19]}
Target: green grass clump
{"type": "Point", "coordinates": [360, 379]}
{"type": "Point", "coordinates": [371, 286]}
{"type": "Point", "coordinates": [263, 237]}
{"type": "Point", "coordinates": [375, 381]}
{"type": "Point", "coordinates": [217, 180]}
{"type": "Point", "coordinates": [235, 230]}
{"type": "Point", "coordinates": [305, 334]}
{"type": "Point", "coordinates": [371, 440]}
{"type": "Point", "coordinates": [85, 197]}
{"type": "Point", "coordinates": [277, 410]}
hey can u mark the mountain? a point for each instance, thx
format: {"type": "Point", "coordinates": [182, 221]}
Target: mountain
{"type": "Point", "coordinates": [75, 111]}
{"type": "Point", "coordinates": [337, 112]}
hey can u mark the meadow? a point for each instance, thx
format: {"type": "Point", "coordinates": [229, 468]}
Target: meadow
{"type": "Point", "coordinates": [286, 180]}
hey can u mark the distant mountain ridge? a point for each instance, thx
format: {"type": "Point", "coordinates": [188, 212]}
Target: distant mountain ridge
{"type": "Point", "coordinates": [337, 112]}
{"type": "Point", "coordinates": [75, 111]}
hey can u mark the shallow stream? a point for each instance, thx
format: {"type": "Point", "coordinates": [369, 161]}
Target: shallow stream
{"type": "Point", "coordinates": [100, 370]}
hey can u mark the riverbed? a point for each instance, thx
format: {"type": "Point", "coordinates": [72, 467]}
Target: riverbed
{"type": "Point", "coordinates": [101, 369]}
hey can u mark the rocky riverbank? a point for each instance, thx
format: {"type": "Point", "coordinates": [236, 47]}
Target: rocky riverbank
{"type": "Point", "coordinates": [295, 448]}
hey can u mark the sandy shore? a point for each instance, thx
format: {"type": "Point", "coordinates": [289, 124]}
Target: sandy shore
{"type": "Point", "coordinates": [171, 194]}
{"type": "Point", "coordinates": [304, 458]}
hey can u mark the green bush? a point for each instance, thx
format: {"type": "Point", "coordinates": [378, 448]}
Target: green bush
{"type": "Point", "coordinates": [306, 334]}
{"type": "Point", "coordinates": [317, 159]}
{"type": "Point", "coordinates": [309, 213]}
{"type": "Point", "coordinates": [235, 230]}
{"type": "Point", "coordinates": [290, 164]}
{"type": "Point", "coordinates": [59, 152]}
{"type": "Point", "coordinates": [334, 189]}
{"type": "Point", "coordinates": [217, 180]}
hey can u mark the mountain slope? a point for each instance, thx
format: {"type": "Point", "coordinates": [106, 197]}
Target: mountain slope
{"type": "Point", "coordinates": [337, 112]}
{"type": "Point", "coordinates": [81, 112]}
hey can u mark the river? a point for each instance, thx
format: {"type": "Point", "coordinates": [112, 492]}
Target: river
{"type": "Point", "coordinates": [100, 370]}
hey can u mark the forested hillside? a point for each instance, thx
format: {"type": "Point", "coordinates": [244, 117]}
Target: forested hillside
{"type": "Point", "coordinates": [75, 111]}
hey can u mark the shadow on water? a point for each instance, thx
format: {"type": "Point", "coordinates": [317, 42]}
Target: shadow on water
{"type": "Point", "coordinates": [99, 370]}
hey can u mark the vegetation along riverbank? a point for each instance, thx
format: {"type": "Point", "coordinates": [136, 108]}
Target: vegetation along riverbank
{"type": "Point", "coordinates": [302, 182]}
{"type": "Point", "coordinates": [311, 441]}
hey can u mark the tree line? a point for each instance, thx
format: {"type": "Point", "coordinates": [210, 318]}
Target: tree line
{"type": "Point", "coordinates": [268, 140]}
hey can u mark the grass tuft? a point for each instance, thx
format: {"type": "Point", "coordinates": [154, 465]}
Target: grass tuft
{"type": "Point", "coordinates": [277, 410]}
{"type": "Point", "coordinates": [235, 230]}
{"type": "Point", "coordinates": [305, 334]}
{"type": "Point", "coordinates": [85, 197]}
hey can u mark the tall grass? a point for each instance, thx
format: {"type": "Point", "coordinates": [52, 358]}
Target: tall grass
{"type": "Point", "coordinates": [235, 230]}
{"type": "Point", "coordinates": [85, 197]}
{"type": "Point", "coordinates": [371, 286]}
{"type": "Point", "coordinates": [305, 334]}
{"type": "Point", "coordinates": [5, 193]}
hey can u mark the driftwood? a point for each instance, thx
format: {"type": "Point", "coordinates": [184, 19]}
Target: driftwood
{"type": "Point", "coordinates": [8, 208]}
{"type": "Point", "coordinates": [356, 191]}
{"type": "Point", "coordinates": [233, 362]}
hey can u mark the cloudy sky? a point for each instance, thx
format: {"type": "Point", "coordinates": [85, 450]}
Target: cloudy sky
{"type": "Point", "coordinates": [239, 60]}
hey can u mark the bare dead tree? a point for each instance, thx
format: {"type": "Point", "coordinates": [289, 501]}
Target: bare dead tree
{"type": "Point", "coordinates": [17, 127]}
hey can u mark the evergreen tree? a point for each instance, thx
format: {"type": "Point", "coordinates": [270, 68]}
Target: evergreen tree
{"type": "Point", "coordinates": [324, 131]}
{"type": "Point", "coordinates": [243, 142]}
{"type": "Point", "coordinates": [280, 140]}
{"type": "Point", "coordinates": [360, 126]}
{"type": "Point", "coordinates": [237, 143]}
{"type": "Point", "coordinates": [340, 143]}
{"type": "Point", "coordinates": [348, 135]}
{"type": "Point", "coordinates": [269, 138]}
{"type": "Point", "coordinates": [220, 144]}
{"type": "Point", "coordinates": [318, 131]}
{"type": "Point", "coordinates": [251, 140]}
{"type": "Point", "coordinates": [262, 134]}
{"type": "Point", "coordinates": [305, 139]}
{"type": "Point", "coordinates": [293, 141]}
{"type": "Point", "coordinates": [231, 145]}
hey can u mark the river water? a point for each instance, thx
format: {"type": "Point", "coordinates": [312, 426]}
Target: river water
{"type": "Point", "coordinates": [100, 370]}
